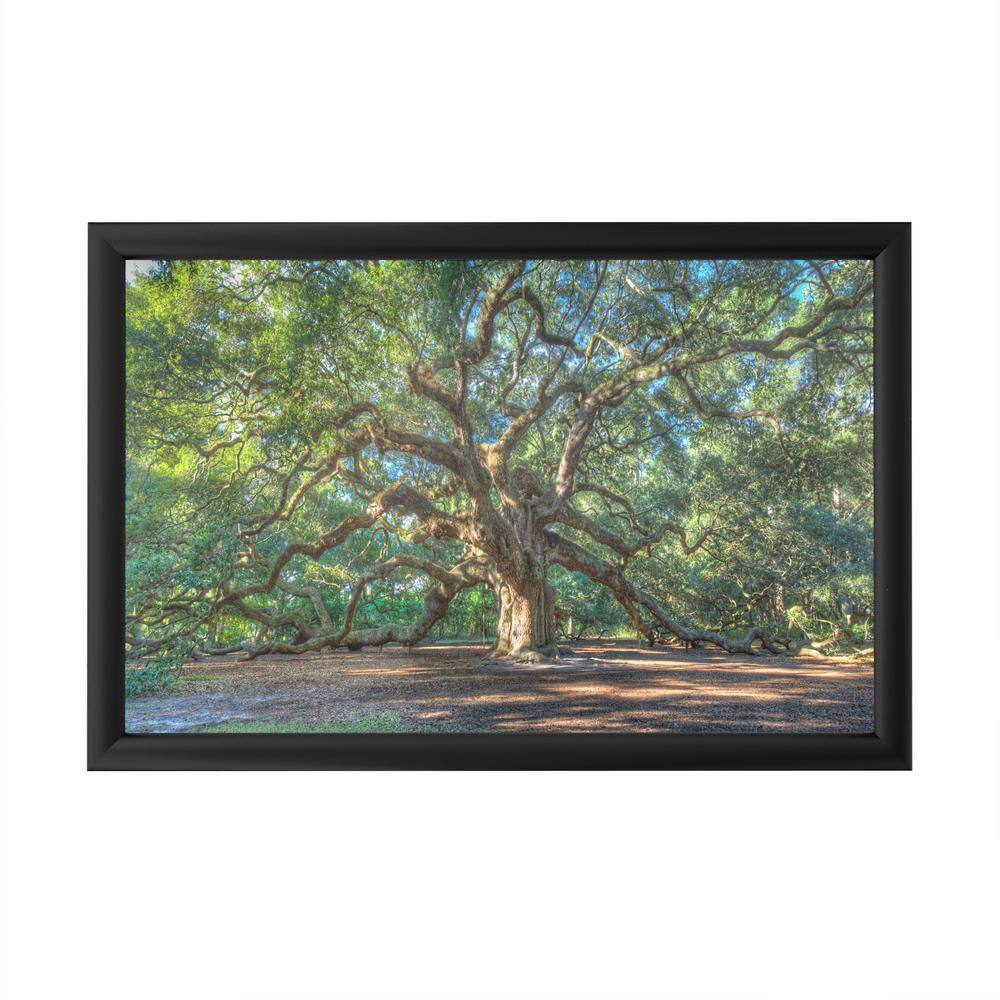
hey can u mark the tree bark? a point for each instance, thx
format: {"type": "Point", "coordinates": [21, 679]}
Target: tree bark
{"type": "Point", "coordinates": [526, 629]}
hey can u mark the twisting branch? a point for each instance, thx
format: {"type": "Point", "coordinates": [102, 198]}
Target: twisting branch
{"type": "Point", "coordinates": [626, 550]}
{"type": "Point", "coordinates": [616, 389]}
{"type": "Point", "coordinates": [493, 304]}
{"type": "Point", "coordinates": [631, 597]}
{"type": "Point", "coordinates": [449, 582]}
{"type": "Point", "coordinates": [313, 595]}
{"type": "Point", "coordinates": [710, 411]}
{"type": "Point", "coordinates": [400, 495]}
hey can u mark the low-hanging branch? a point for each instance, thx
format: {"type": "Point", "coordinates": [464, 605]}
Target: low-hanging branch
{"type": "Point", "coordinates": [436, 602]}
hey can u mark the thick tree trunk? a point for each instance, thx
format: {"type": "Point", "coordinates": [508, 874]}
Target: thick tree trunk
{"type": "Point", "coordinates": [526, 629]}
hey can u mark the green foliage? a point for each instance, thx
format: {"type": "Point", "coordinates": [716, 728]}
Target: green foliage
{"type": "Point", "coordinates": [588, 610]}
{"type": "Point", "coordinates": [236, 369]}
{"type": "Point", "coordinates": [158, 671]}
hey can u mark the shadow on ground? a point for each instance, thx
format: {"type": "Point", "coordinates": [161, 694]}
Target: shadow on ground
{"type": "Point", "coordinates": [598, 687]}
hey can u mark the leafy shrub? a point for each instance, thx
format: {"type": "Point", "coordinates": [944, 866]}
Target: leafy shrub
{"type": "Point", "coordinates": [156, 672]}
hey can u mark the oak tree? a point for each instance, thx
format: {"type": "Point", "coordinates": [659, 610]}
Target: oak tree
{"type": "Point", "coordinates": [301, 433]}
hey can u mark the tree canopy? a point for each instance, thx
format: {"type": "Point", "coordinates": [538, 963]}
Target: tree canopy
{"type": "Point", "coordinates": [349, 453]}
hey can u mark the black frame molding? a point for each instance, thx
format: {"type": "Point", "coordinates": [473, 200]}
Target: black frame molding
{"type": "Point", "coordinates": [109, 748]}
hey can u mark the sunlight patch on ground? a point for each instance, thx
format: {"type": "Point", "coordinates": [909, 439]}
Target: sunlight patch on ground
{"type": "Point", "coordinates": [450, 689]}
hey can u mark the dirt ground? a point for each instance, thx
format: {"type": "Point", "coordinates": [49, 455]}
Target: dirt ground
{"type": "Point", "coordinates": [598, 687]}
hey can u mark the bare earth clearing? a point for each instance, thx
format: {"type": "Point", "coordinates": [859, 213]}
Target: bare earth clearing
{"type": "Point", "coordinates": [598, 687]}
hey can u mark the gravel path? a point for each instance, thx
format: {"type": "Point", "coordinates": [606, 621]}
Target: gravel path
{"type": "Point", "coordinates": [599, 687]}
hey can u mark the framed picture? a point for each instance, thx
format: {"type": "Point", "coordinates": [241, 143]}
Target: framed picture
{"type": "Point", "coordinates": [499, 496]}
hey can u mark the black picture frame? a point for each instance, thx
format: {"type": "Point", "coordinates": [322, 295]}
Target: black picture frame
{"type": "Point", "coordinates": [112, 244]}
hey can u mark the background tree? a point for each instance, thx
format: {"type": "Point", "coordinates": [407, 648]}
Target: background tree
{"type": "Point", "coordinates": [348, 453]}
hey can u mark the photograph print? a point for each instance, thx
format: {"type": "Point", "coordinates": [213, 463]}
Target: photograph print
{"type": "Point", "coordinates": [499, 496]}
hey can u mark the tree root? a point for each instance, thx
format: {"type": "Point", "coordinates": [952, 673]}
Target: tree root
{"type": "Point", "coordinates": [543, 654]}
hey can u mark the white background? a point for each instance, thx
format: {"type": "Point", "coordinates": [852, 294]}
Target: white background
{"type": "Point", "coordinates": [500, 885]}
